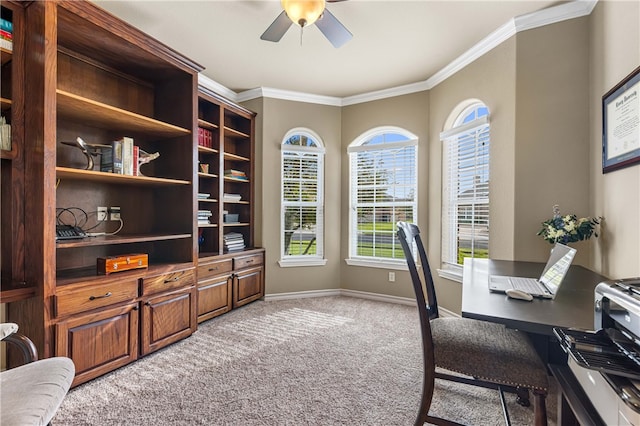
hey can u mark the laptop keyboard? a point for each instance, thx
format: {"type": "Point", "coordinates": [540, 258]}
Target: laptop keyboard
{"type": "Point", "coordinates": [529, 285]}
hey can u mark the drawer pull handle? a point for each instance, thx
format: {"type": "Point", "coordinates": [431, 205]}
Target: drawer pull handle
{"type": "Point", "coordinates": [250, 261]}
{"type": "Point", "coordinates": [172, 280]}
{"type": "Point", "coordinates": [104, 296]}
{"type": "Point", "coordinates": [213, 269]}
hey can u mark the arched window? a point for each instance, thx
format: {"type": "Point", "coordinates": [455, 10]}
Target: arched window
{"type": "Point", "coordinates": [465, 192]}
{"type": "Point", "coordinates": [383, 177]}
{"type": "Point", "coordinates": [302, 201]}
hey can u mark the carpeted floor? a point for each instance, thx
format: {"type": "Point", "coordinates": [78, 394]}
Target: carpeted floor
{"type": "Point", "coordinates": [319, 361]}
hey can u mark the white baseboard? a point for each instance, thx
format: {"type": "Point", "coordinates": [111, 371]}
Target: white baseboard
{"type": "Point", "coordinates": [353, 293]}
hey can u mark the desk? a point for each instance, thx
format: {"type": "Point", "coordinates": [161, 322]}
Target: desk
{"type": "Point", "coordinates": [572, 307]}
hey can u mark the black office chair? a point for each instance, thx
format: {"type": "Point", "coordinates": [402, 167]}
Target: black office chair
{"type": "Point", "coordinates": [484, 354]}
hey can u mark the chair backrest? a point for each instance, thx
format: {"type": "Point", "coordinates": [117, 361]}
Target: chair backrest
{"type": "Point", "coordinates": [408, 234]}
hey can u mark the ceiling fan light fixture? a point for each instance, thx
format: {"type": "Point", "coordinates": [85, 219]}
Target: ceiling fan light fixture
{"type": "Point", "coordinates": [303, 12]}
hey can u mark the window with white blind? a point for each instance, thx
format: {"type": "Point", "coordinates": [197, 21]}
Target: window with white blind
{"type": "Point", "coordinates": [383, 177]}
{"type": "Point", "coordinates": [465, 194]}
{"type": "Point", "coordinates": [302, 202]}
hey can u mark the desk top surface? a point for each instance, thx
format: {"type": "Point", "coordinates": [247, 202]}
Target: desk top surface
{"type": "Point", "coordinates": [572, 307]}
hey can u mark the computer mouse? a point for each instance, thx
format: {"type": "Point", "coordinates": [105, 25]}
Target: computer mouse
{"type": "Point", "coordinates": [519, 294]}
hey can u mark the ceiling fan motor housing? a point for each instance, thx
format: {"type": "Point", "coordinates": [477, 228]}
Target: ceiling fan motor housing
{"type": "Point", "coordinates": [303, 12]}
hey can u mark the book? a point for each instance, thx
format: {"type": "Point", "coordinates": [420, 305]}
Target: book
{"type": "Point", "coordinates": [6, 25]}
{"type": "Point", "coordinates": [127, 156]}
{"type": "Point", "coordinates": [136, 160]}
{"type": "Point", "coordinates": [116, 157]}
{"type": "Point", "coordinates": [5, 134]}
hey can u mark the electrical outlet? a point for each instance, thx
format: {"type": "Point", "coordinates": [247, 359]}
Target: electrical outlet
{"type": "Point", "coordinates": [392, 276]}
{"type": "Point", "coordinates": [115, 213]}
{"type": "Point", "coordinates": [102, 214]}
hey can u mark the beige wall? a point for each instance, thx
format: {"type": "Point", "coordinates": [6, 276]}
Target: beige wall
{"type": "Point", "coordinates": [491, 79]}
{"type": "Point", "coordinates": [543, 88]}
{"type": "Point", "coordinates": [410, 112]}
{"type": "Point", "coordinates": [552, 135]}
{"type": "Point", "coordinates": [614, 41]}
{"type": "Point", "coordinates": [277, 118]}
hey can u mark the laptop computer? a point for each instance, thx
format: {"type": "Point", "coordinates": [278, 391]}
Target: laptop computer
{"type": "Point", "coordinates": [547, 285]}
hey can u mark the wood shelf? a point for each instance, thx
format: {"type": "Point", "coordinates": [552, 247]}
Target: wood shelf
{"type": "Point", "coordinates": [5, 103]}
{"type": "Point", "coordinates": [207, 175]}
{"type": "Point", "coordinates": [16, 293]}
{"type": "Point", "coordinates": [92, 175]}
{"type": "Point", "coordinates": [207, 200]}
{"type": "Point", "coordinates": [118, 239]}
{"type": "Point", "coordinates": [228, 131]}
{"type": "Point", "coordinates": [231, 224]}
{"type": "Point", "coordinates": [237, 202]}
{"type": "Point", "coordinates": [7, 155]}
{"type": "Point", "coordinates": [207, 150]}
{"type": "Point", "coordinates": [5, 55]}
{"type": "Point", "coordinates": [106, 116]}
{"type": "Point", "coordinates": [230, 179]}
{"type": "Point", "coordinates": [207, 125]}
{"type": "Point", "coordinates": [210, 225]}
{"type": "Point", "coordinates": [234, 157]}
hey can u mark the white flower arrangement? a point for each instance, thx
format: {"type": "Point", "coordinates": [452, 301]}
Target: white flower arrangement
{"type": "Point", "coordinates": [568, 228]}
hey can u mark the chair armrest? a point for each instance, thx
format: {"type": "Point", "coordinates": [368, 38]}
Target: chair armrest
{"type": "Point", "coordinates": [9, 334]}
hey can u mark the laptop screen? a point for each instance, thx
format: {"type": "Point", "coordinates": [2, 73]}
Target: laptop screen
{"type": "Point", "coordinates": [557, 266]}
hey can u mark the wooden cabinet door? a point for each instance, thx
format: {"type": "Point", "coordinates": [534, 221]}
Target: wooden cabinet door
{"type": "Point", "coordinates": [167, 318]}
{"type": "Point", "coordinates": [99, 342]}
{"type": "Point", "coordinates": [214, 297]}
{"type": "Point", "coordinates": [248, 285]}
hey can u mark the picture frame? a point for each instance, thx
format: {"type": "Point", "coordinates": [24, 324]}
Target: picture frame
{"type": "Point", "coordinates": [621, 124]}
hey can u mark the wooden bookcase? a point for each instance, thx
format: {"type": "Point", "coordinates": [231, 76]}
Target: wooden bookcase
{"type": "Point", "coordinates": [90, 75]}
{"type": "Point", "coordinates": [12, 214]}
{"type": "Point", "coordinates": [226, 279]}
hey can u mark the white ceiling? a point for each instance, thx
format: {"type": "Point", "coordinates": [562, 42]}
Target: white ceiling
{"type": "Point", "coordinates": [394, 42]}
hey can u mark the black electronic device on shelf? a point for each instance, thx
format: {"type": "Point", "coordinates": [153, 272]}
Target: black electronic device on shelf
{"type": "Point", "coordinates": [68, 232]}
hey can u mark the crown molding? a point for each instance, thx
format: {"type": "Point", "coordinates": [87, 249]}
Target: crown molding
{"type": "Point", "coordinates": [552, 15]}
{"type": "Point", "coordinates": [288, 95]}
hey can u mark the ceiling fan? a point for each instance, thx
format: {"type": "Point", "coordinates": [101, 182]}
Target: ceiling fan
{"type": "Point", "coordinates": [305, 13]}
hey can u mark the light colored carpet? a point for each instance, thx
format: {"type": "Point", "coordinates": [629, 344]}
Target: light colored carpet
{"type": "Point", "coordinates": [320, 361]}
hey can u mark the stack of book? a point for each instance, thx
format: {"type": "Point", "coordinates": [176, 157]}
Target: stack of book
{"type": "Point", "coordinates": [233, 241]}
{"type": "Point", "coordinates": [6, 34]}
{"type": "Point", "coordinates": [231, 198]}
{"type": "Point", "coordinates": [203, 217]}
{"type": "Point", "coordinates": [5, 134]}
{"type": "Point", "coordinates": [235, 174]}
{"type": "Point", "coordinates": [203, 196]}
{"type": "Point", "coordinates": [122, 158]}
{"type": "Point", "coordinates": [205, 138]}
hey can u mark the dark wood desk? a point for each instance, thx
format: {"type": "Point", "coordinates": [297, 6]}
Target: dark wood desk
{"type": "Point", "coordinates": [572, 307]}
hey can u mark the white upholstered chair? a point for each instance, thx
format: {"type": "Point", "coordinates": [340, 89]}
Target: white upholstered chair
{"type": "Point", "coordinates": [31, 393]}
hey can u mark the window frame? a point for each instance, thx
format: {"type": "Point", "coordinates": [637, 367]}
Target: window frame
{"type": "Point", "coordinates": [459, 128]}
{"type": "Point", "coordinates": [317, 259]}
{"type": "Point", "coordinates": [359, 145]}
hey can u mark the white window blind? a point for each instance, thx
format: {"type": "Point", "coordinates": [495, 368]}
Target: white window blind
{"type": "Point", "coordinates": [383, 191]}
{"type": "Point", "coordinates": [302, 200]}
{"type": "Point", "coordinates": [466, 191]}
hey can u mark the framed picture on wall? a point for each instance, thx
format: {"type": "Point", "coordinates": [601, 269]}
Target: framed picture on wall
{"type": "Point", "coordinates": [621, 124]}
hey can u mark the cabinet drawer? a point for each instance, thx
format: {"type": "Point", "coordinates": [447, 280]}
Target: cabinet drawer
{"type": "Point", "coordinates": [247, 261]}
{"type": "Point", "coordinates": [170, 281]}
{"type": "Point", "coordinates": [214, 268]}
{"type": "Point", "coordinates": [74, 298]}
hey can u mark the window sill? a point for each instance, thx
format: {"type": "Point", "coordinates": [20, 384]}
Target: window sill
{"type": "Point", "coordinates": [294, 263]}
{"type": "Point", "coordinates": [400, 265]}
{"type": "Point", "coordinates": [451, 274]}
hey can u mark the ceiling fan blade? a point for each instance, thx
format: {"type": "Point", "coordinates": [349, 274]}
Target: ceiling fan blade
{"type": "Point", "coordinates": [332, 29]}
{"type": "Point", "coordinates": [278, 28]}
